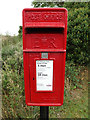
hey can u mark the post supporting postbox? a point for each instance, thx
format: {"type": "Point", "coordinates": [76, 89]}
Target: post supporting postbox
{"type": "Point", "coordinates": [44, 112]}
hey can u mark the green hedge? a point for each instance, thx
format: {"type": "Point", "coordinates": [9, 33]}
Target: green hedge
{"type": "Point", "coordinates": [77, 34]}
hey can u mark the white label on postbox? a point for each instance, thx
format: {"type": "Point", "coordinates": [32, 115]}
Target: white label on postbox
{"type": "Point", "coordinates": [44, 75]}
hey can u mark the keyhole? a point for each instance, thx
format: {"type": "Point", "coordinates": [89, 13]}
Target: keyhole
{"type": "Point", "coordinates": [33, 78]}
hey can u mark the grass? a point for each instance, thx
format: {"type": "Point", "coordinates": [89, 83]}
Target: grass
{"type": "Point", "coordinates": [75, 103]}
{"type": "Point", "coordinates": [13, 103]}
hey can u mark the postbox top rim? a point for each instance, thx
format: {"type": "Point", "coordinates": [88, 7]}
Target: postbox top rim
{"type": "Point", "coordinates": [43, 23]}
{"type": "Point", "coordinates": [39, 9]}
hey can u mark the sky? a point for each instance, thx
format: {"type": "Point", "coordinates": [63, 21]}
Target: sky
{"type": "Point", "coordinates": [11, 15]}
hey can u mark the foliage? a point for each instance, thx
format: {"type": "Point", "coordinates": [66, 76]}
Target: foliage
{"type": "Point", "coordinates": [47, 4]}
{"type": "Point", "coordinates": [77, 35]}
{"type": "Point", "coordinates": [20, 31]}
{"type": "Point", "coordinates": [13, 104]}
{"type": "Point", "coordinates": [72, 71]}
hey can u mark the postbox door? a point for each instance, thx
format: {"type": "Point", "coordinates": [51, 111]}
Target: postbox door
{"type": "Point", "coordinates": [47, 96]}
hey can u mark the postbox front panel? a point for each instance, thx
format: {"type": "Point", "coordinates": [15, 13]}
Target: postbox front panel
{"type": "Point", "coordinates": [49, 90]}
{"type": "Point", "coordinates": [44, 51]}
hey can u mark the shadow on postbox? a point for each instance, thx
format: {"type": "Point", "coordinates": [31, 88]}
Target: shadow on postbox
{"type": "Point", "coordinates": [44, 52]}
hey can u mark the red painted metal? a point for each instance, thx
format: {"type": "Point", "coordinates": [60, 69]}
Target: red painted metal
{"type": "Point", "coordinates": [44, 30]}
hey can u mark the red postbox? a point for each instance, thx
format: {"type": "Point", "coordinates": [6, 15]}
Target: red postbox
{"type": "Point", "coordinates": [44, 52]}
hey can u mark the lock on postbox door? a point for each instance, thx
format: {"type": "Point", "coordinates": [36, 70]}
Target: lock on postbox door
{"type": "Point", "coordinates": [44, 52]}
